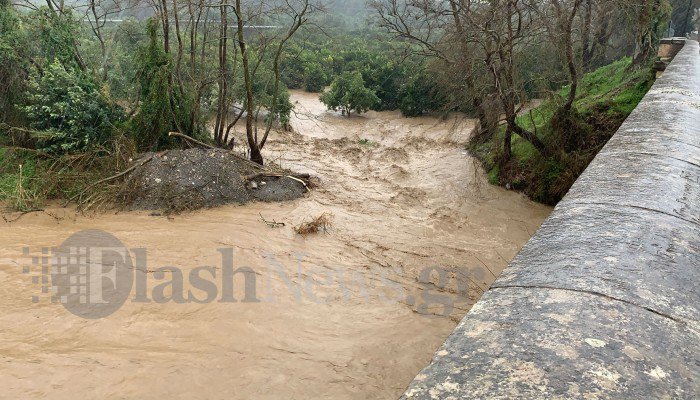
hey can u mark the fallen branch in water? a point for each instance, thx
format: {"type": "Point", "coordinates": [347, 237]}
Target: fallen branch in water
{"type": "Point", "coordinates": [298, 180]}
{"type": "Point", "coordinates": [273, 223]}
{"type": "Point", "coordinates": [304, 179]}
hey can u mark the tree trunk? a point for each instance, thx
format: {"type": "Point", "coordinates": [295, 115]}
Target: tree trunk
{"type": "Point", "coordinates": [166, 26]}
{"type": "Point", "coordinates": [180, 47]}
{"type": "Point", "coordinates": [586, 42]}
{"type": "Point", "coordinates": [255, 155]}
{"type": "Point", "coordinates": [646, 32]}
{"type": "Point", "coordinates": [507, 152]}
{"type": "Point", "coordinates": [252, 143]}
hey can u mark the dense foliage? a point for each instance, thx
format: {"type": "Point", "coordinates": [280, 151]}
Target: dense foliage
{"type": "Point", "coordinates": [399, 81]}
{"type": "Point", "coordinates": [73, 83]}
{"type": "Point", "coordinates": [13, 65]}
{"type": "Point", "coordinates": [67, 111]}
{"type": "Point", "coordinates": [156, 116]}
{"type": "Point", "coordinates": [348, 93]}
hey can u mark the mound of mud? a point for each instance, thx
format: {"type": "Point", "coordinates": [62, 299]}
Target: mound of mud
{"type": "Point", "coordinates": [180, 180]}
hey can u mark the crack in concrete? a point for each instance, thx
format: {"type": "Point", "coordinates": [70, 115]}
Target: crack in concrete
{"type": "Point", "coordinates": [592, 292]}
{"type": "Point", "coordinates": [575, 202]}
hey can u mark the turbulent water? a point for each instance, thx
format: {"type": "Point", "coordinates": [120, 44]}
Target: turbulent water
{"type": "Point", "coordinates": [353, 313]}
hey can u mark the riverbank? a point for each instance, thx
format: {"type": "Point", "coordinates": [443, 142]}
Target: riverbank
{"type": "Point", "coordinates": [605, 97]}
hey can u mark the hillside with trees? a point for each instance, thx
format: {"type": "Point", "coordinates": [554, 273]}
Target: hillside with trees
{"type": "Point", "coordinates": [88, 86]}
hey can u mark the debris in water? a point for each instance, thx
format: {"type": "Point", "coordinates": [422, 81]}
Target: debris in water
{"type": "Point", "coordinates": [318, 224]}
{"type": "Point", "coordinates": [273, 223]}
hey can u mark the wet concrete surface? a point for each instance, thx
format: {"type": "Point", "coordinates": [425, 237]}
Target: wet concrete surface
{"type": "Point", "coordinates": [603, 302]}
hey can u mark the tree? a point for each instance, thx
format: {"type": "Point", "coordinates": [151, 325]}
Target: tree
{"type": "Point", "coordinates": [562, 34]}
{"type": "Point", "coordinates": [162, 108]}
{"type": "Point", "coordinates": [13, 65]}
{"type": "Point", "coordinates": [315, 78]}
{"type": "Point", "coordinates": [348, 93]}
{"type": "Point", "coordinates": [67, 110]}
{"type": "Point", "coordinates": [682, 17]}
{"type": "Point", "coordinates": [652, 19]}
{"type": "Point", "coordinates": [417, 96]}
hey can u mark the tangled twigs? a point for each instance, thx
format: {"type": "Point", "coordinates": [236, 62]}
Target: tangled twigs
{"type": "Point", "coordinates": [318, 224]}
{"type": "Point", "coordinates": [273, 223]}
{"type": "Point", "coordinates": [208, 146]}
{"type": "Point", "coordinates": [110, 178]}
{"type": "Point", "coordinates": [191, 139]}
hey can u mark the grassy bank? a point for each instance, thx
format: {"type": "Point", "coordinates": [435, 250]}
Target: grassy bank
{"type": "Point", "coordinates": [604, 100]}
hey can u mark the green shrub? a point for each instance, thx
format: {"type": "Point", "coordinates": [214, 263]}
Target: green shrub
{"type": "Point", "coordinates": [13, 61]}
{"type": "Point", "coordinates": [18, 182]}
{"type": "Point", "coordinates": [315, 78]}
{"type": "Point", "coordinates": [67, 110]}
{"type": "Point", "coordinates": [163, 108]}
{"type": "Point", "coordinates": [348, 93]}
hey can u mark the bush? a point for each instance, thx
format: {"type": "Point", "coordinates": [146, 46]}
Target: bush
{"type": "Point", "coordinates": [348, 93]}
{"type": "Point", "coordinates": [315, 78]}
{"type": "Point", "coordinates": [416, 97]}
{"type": "Point", "coordinates": [163, 109]}
{"type": "Point", "coordinates": [67, 110]}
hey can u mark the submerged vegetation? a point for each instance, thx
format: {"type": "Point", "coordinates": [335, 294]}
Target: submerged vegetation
{"type": "Point", "coordinates": [87, 88]}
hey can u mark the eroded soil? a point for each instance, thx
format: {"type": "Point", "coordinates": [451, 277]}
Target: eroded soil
{"type": "Point", "coordinates": [344, 315]}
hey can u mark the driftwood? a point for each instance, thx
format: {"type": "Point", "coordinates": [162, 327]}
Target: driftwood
{"type": "Point", "coordinates": [273, 223]}
{"type": "Point", "coordinates": [301, 178]}
{"type": "Point", "coordinates": [208, 146]}
{"type": "Point", "coordinates": [304, 177]}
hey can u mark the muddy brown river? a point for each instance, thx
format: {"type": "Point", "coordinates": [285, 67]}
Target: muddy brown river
{"type": "Point", "coordinates": [354, 313]}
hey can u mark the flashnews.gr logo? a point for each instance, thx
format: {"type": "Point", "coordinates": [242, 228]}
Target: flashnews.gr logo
{"type": "Point", "coordinates": [91, 273]}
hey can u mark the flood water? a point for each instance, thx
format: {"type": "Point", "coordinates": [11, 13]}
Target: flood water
{"type": "Point", "coordinates": [345, 314]}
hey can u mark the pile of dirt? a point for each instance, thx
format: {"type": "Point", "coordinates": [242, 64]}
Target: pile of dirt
{"type": "Point", "coordinates": [180, 180]}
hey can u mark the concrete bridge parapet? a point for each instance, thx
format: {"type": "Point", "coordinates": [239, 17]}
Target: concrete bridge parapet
{"type": "Point", "coordinates": [604, 301]}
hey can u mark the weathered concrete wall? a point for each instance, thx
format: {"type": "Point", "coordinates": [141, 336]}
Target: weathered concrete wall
{"type": "Point", "coordinates": [604, 301]}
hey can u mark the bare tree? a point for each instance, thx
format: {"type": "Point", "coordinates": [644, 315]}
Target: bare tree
{"type": "Point", "coordinates": [565, 13]}
{"type": "Point", "coordinates": [293, 13]}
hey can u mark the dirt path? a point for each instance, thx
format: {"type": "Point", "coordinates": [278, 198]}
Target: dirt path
{"type": "Point", "coordinates": [344, 319]}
